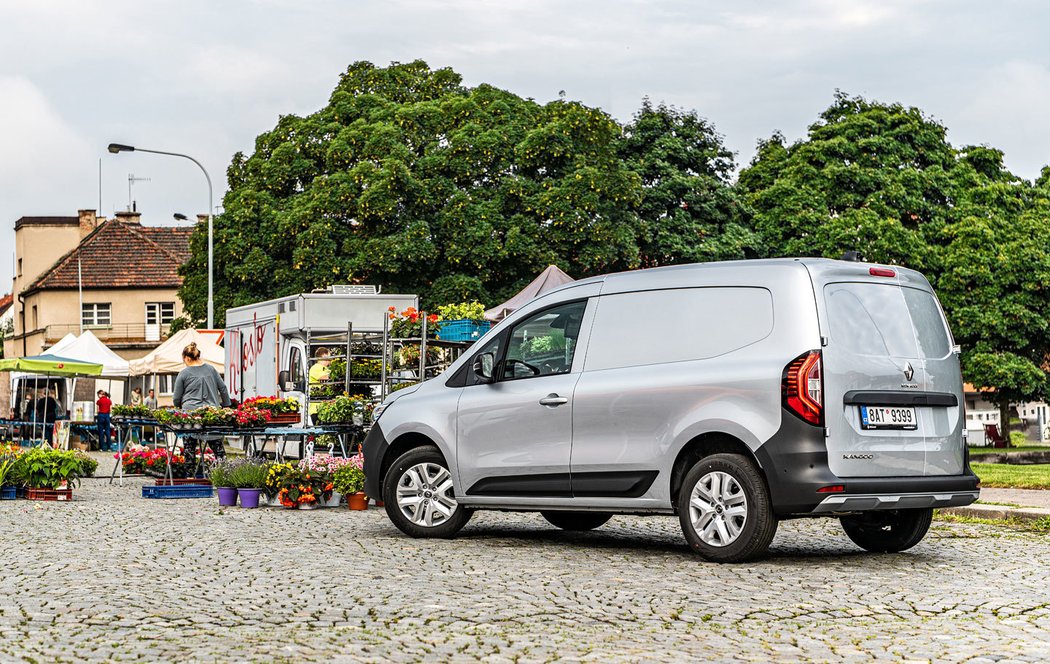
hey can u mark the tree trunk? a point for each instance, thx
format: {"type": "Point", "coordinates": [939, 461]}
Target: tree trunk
{"type": "Point", "coordinates": [1004, 420]}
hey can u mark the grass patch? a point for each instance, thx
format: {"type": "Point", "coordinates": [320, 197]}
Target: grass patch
{"type": "Point", "coordinates": [1038, 526]}
{"type": "Point", "coordinates": [1008, 450]}
{"type": "Point", "coordinates": [1010, 476]}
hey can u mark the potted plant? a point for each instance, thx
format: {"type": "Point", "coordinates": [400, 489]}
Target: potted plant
{"type": "Point", "coordinates": [324, 467]}
{"type": "Point", "coordinates": [345, 410]}
{"type": "Point", "coordinates": [349, 480]}
{"type": "Point", "coordinates": [210, 416]}
{"type": "Point", "coordinates": [462, 322]}
{"type": "Point", "coordinates": [249, 476]}
{"type": "Point", "coordinates": [292, 488]}
{"type": "Point", "coordinates": [281, 411]}
{"type": "Point", "coordinates": [50, 474]}
{"type": "Point", "coordinates": [220, 473]}
{"type": "Point", "coordinates": [247, 417]}
{"type": "Point", "coordinates": [409, 323]}
{"type": "Point", "coordinates": [8, 491]}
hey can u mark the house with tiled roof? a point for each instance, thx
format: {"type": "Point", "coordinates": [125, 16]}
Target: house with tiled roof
{"type": "Point", "coordinates": [114, 277]}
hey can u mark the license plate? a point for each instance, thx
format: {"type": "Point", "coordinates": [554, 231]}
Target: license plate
{"type": "Point", "coordinates": [887, 417]}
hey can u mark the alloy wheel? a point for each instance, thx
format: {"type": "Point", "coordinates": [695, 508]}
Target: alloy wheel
{"type": "Point", "coordinates": [425, 495]}
{"type": "Point", "coordinates": [718, 508]}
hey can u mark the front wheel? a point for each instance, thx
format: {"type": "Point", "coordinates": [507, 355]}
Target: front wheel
{"type": "Point", "coordinates": [725, 510]}
{"type": "Point", "coordinates": [419, 497]}
{"type": "Point", "coordinates": [577, 520]}
{"type": "Point", "coordinates": [888, 531]}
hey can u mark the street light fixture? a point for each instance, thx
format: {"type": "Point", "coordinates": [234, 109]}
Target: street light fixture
{"type": "Point", "coordinates": [114, 148]}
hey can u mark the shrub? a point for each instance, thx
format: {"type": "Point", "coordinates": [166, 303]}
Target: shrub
{"type": "Point", "coordinates": [249, 474]}
{"type": "Point", "coordinates": [220, 471]}
{"type": "Point", "coordinates": [463, 311]}
{"type": "Point", "coordinates": [1017, 439]}
{"type": "Point", "coordinates": [350, 478]}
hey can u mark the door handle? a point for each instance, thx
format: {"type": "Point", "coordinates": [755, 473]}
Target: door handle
{"type": "Point", "coordinates": [553, 400]}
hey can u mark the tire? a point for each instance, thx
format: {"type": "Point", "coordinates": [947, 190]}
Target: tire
{"type": "Point", "coordinates": [419, 497]}
{"type": "Point", "coordinates": [888, 531]}
{"type": "Point", "coordinates": [725, 510]}
{"type": "Point", "coordinates": [577, 520]}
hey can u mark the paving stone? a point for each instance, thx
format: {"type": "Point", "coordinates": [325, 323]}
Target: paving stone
{"type": "Point", "coordinates": [114, 577]}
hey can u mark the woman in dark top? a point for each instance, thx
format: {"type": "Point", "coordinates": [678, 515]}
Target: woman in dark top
{"type": "Point", "coordinates": [46, 414]}
{"type": "Point", "coordinates": [200, 385]}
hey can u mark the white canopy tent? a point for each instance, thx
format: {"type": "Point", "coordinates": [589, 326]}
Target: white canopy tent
{"type": "Point", "coordinates": [549, 279]}
{"type": "Point", "coordinates": [167, 357]}
{"type": "Point", "coordinates": [88, 348]}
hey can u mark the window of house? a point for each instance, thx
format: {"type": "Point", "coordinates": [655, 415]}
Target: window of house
{"type": "Point", "coordinates": [96, 314]}
{"type": "Point", "coordinates": [20, 267]}
{"type": "Point", "coordinates": [160, 312]}
{"type": "Point", "coordinates": [36, 321]}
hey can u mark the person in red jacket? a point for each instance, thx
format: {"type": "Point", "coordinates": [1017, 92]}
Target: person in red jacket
{"type": "Point", "coordinates": [104, 405]}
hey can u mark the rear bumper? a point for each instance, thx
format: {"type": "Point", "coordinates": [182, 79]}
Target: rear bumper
{"type": "Point", "coordinates": [890, 501]}
{"type": "Point", "coordinates": [795, 463]}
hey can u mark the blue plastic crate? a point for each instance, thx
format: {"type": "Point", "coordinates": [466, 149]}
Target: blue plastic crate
{"type": "Point", "coordinates": [177, 491]}
{"type": "Point", "coordinates": [8, 493]}
{"type": "Point", "coordinates": [462, 330]}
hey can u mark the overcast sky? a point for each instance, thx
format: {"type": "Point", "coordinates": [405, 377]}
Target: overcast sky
{"type": "Point", "coordinates": [206, 77]}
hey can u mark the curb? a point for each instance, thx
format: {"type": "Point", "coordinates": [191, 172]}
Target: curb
{"type": "Point", "coordinates": [999, 512]}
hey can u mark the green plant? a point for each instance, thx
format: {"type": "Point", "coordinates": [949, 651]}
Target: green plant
{"type": "Point", "coordinates": [349, 480]}
{"type": "Point", "coordinates": [7, 463]}
{"type": "Point", "coordinates": [88, 466]}
{"type": "Point", "coordinates": [1017, 439]}
{"type": "Point", "coordinates": [249, 474]}
{"type": "Point", "coordinates": [366, 369]}
{"type": "Point", "coordinates": [220, 471]}
{"type": "Point", "coordinates": [463, 311]}
{"type": "Point", "coordinates": [344, 410]}
{"type": "Point", "coordinates": [42, 468]}
{"type": "Point", "coordinates": [139, 411]}
{"type": "Point", "coordinates": [215, 417]}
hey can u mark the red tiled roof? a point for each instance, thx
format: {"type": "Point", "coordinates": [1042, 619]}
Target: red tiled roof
{"type": "Point", "coordinates": [122, 255]}
{"type": "Point", "coordinates": [6, 302]}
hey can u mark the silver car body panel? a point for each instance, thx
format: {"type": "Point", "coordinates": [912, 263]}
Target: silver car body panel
{"type": "Point", "coordinates": [638, 418]}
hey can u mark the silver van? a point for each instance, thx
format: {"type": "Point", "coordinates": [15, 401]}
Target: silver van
{"type": "Point", "coordinates": [732, 394]}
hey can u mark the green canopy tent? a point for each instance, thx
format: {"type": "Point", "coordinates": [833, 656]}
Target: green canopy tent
{"type": "Point", "coordinates": [48, 366]}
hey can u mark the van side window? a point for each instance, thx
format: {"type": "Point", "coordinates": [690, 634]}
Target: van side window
{"type": "Point", "coordinates": [295, 368]}
{"type": "Point", "coordinates": [545, 343]}
{"type": "Point", "coordinates": [676, 325]}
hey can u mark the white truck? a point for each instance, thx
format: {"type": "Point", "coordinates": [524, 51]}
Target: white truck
{"type": "Point", "coordinates": [269, 344]}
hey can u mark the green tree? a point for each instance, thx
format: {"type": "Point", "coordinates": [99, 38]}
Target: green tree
{"type": "Point", "coordinates": [994, 280]}
{"type": "Point", "coordinates": [869, 177]}
{"type": "Point", "coordinates": [410, 180]}
{"type": "Point", "coordinates": [882, 179]}
{"type": "Point", "coordinates": [689, 212]}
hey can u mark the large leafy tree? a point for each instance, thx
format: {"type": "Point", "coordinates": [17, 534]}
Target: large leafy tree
{"type": "Point", "coordinates": [688, 212]}
{"type": "Point", "coordinates": [883, 180]}
{"type": "Point", "coordinates": [869, 177]}
{"type": "Point", "coordinates": [410, 180]}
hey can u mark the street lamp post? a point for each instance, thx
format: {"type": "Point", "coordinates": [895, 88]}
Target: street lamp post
{"type": "Point", "coordinates": [117, 147]}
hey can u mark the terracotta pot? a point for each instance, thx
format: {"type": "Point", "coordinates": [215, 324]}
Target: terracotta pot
{"type": "Point", "coordinates": [357, 501]}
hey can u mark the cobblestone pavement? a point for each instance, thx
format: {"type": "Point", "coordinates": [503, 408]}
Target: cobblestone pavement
{"type": "Point", "coordinates": [112, 576]}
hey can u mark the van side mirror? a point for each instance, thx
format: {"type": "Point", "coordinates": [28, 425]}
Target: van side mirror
{"type": "Point", "coordinates": [284, 379]}
{"type": "Point", "coordinates": [482, 367]}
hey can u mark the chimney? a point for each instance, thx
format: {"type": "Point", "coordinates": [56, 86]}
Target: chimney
{"type": "Point", "coordinates": [88, 222]}
{"type": "Point", "coordinates": [129, 217]}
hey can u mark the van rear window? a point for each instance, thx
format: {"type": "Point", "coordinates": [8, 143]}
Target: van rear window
{"type": "Point", "coordinates": [886, 320]}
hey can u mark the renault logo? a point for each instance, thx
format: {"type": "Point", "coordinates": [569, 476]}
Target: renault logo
{"type": "Point", "coordinates": [908, 371]}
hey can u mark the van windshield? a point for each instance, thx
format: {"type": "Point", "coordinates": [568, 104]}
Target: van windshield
{"type": "Point", "coordinates": [886, 320]}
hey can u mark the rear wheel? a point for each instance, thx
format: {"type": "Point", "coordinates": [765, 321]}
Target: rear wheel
{"type": "Point", "coordinates": [419, 497]}
{"type": "Point", "coordinates": [725, 510]}
{"type": "Point", "coordinates": [577, 520]}
{"type": "Point", "coordinates": [887, 531]}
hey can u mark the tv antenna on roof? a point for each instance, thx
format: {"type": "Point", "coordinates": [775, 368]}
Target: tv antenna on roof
{"type": "Point", "coordinates": [132, 180]}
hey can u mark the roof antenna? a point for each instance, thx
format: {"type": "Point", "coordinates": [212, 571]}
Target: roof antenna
{"type": "Point", "coordinates": [852, 256]}
{"type": "Point", "coordinates": [132, 180]}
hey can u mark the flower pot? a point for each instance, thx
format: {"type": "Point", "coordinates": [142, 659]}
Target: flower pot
{"type": "Point", "coordinates": [307, 506]}
{"type": "Point", "coordinates": [227, 496]}
{"type": "Point", "coordinates": [8, 493]}
{"type": "Point", "coordinates": [357, 501]}
{"type": "Point", "coordinates": [285, 418]}
{"type": "Point", "coordinates": [249, 497]}
{"type": "Point", "coordinates": [333, 501]}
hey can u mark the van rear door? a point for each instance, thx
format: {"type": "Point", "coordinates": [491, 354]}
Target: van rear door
{"type": "Point", "coordinates": [891, 379]}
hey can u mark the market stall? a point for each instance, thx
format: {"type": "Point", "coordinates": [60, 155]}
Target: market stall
{"type": "Point", "coordinates": [550, 278]}
{"type": "Point", "coordinates": [41, 368]}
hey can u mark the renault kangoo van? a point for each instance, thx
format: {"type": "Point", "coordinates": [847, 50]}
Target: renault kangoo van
{"type": "Point", "coordinates": [732, 395]}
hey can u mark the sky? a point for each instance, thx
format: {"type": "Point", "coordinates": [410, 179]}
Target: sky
{"type": "Point", "coordinates": [204, 78]}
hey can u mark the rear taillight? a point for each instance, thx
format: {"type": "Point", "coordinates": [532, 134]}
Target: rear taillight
{"type": "Point", "coordinates": [881, 272]}
{"type": "Point", "coordinates": [803, 388]}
